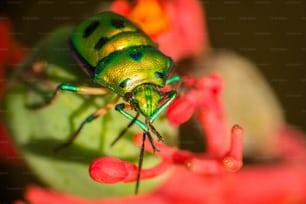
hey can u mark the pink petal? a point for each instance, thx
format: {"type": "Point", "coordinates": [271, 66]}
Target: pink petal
{"type": "Point", "coordinates": [121, 7]}
{"type": "Point", "coordinates": [187, 36]}
{"type": "Point", "coordinates": [181, 109]}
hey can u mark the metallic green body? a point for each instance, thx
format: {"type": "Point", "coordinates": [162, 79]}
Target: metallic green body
{"type": "Point", "coordinates": [100, 26]}
{"type": "Point", "coordinates": [118, 55]}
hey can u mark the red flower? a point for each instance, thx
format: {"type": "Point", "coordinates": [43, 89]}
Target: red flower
{"type": "Point", "coordinates": [203, 182]}
{"type": "Point", "coordinates": [204, 178]}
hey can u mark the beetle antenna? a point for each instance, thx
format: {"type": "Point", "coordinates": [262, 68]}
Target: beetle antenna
{"type": "Point", "coordinates": [140, 160]}
{"type": "Point", "coordinates": [152, 128]}
{"type": "Point", "coordinates": [125, 129]}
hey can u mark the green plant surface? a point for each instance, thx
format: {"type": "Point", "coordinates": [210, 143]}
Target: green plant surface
{"type": "Point", "coordinates": [37, 132]}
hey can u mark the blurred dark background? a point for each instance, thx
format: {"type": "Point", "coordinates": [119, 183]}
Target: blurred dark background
{"type": "Point", "coordinates": [271, 33]}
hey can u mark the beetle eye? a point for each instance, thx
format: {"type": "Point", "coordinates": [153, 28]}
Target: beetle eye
{"type": "Point", "coordinates": [124, 83]}
{"type": "Point", "coordinates": [159, 75]}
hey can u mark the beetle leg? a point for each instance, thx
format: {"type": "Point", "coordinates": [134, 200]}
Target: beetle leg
{"type": "Point", "coordinates": [140, 162]}
{"type": "Point", "coordinates": [171, 96]}
{"type": "Point", "coordinates": [125, 129]}
{"type": "Point", "coordinates": [76, 89]}
{"type": "Point", "coordinates": [120, 108]}
{"type": "Point", "coordinates": [100, 112]}
{"type": "Point", "coordinates": [134, 119]}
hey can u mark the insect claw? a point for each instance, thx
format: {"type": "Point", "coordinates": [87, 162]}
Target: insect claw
{"type": "Point", "coordinates": [44, 105]}
{"type": "Point", "coordinates": [161, 140]}
{"type": "Point", "coordinates": [119, 106]}
{"type": "Point", "coordinates": [37, 106]}
{"type": "Point", "coordinates": [155, 150]}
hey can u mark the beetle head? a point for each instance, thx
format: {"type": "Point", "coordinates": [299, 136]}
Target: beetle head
{"type": "Point", "coordinates": [146, 99]}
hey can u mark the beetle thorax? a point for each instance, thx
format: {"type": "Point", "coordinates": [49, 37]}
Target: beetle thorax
{"type": "Point", "coordinates": [146, 99]}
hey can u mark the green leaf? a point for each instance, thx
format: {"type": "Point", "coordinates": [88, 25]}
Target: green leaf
{"type": "Point", "coordinates": [37, 132]}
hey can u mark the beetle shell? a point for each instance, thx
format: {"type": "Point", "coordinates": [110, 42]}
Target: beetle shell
{"type": "Point", "coordinates": [123, 71]}
{"type": "Point", "coordinates": [117, 54]}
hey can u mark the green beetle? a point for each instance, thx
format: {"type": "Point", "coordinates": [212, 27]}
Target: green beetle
{"type": "Point", "coordinates": [120, 57]}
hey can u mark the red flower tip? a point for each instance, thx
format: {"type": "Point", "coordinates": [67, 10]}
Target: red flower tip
{"type": "Point", "coordinates": [213, 163]}
{"type": "Point", "coordinates": [231, 164]}
{"type": "Point", "coordinates": [111, 170]}
{"type": "Point", "coordinates": [233, 160]}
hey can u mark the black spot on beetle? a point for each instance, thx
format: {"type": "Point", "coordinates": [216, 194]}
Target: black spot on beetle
{"type": "Point", "coordinates": [118, 23]}
{"type": "Point", "coordinates": [136, 56]}
{"type": "Point", "coordinates": [159, 75]}
{"type": "Point", "coordinates": [100, 43]}
{"type": "Point", "coordinates": [123, 83]}
{"type": "Point", "coordinates": [90, 28]}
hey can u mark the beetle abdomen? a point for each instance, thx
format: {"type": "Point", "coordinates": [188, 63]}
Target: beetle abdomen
{"type": "Point", "coordinates": [100, 35]}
